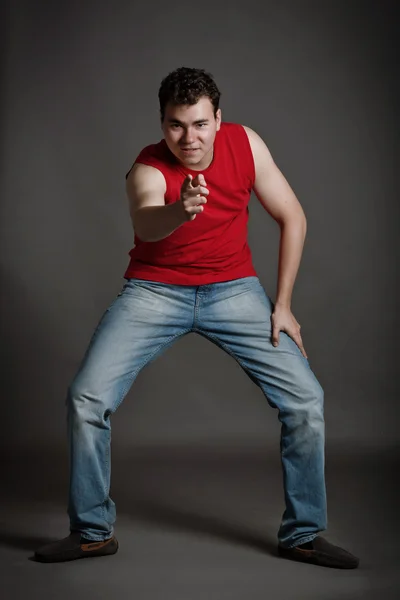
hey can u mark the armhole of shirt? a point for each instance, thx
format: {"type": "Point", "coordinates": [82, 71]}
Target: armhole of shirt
{"type": "Point", "coordinates": [250, 161]}
{"type": "Point", "coordinates": [150, 163]}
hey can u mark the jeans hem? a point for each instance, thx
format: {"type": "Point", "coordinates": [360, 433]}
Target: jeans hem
{"type": "Point", "coordinates": [302, 541]}
{"type": "Point", "coordinates": [92, 538]}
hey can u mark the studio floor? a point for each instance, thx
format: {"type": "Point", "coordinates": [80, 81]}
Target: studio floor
{"type": "Point", "coordinates": [196, 524]}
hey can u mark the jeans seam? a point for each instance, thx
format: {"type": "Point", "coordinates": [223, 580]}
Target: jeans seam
{"type": "Point", "coordinates": [222, 345]}
{"type": "Point", "coordinates": [122, 395]}
{"type": "Point", "coordinates": [226, 348]}
{"type": "Point", "coordinates": [196, 311]}
{"type": "Point", "coordinates": [107, 469]}
{"type": "Point", "coordinates": [146, 361]}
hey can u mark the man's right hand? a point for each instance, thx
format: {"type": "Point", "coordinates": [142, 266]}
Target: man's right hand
{"type": "Point", "coordinates": [193, 196]}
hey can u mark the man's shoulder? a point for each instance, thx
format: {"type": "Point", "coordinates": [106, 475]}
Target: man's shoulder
{"type": "Point", "coordinates": [237, 134]}
{"type": "Point", "coordinates": [153, 155]}
{"type": "Point", "coordinates": [157, 151]}
{"type": "Point", "coordinates": [156, 155]}
{"type": "Point", "coordinates": [234, 131]}
{"type": "Point", "coordinates": [230, 126]}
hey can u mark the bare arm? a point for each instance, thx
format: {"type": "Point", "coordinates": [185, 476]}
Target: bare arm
{"type": "Point", "coordinates": [279, 200]}
{"type": "Point", "coordinates": [277, 197]}
{"type": "Point", "coordinates": [152, 219]}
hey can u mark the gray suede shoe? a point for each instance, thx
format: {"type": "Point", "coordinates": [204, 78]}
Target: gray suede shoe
{"type": "Point", "coordinates": [75, 546]}
{"type": "Point", "coordinates": [321, 553]}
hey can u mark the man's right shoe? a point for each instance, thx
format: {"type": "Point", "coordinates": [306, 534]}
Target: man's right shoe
{"type": "Point", "coordinates": [75, 546]}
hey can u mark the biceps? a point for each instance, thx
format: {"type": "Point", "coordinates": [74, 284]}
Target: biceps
{"type": "Point", "coordinates": [276, 195]}
{"type": "Point", "coordinates": [144, 187]}
{"type": "Point", "coordinates": [144, 199]}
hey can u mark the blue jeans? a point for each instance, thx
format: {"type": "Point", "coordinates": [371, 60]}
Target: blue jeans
{"type": "Point", "coordinates": [139, 325]}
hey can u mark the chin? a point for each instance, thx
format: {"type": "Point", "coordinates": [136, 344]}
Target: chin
{"type": "Point", "coordinates": [190, 161]}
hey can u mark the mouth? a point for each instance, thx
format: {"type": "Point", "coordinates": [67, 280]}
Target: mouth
{"type": "Point", "coordinates": [189, 150]}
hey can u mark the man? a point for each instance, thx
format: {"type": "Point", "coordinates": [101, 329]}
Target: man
{"type": "Point", "coordinates": [191, 271]}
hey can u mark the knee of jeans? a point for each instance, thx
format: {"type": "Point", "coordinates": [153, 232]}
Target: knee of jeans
{"type": "Point", "coordinates": [309, 406]}
{"type": "Point", "coordinates": [84, 403]}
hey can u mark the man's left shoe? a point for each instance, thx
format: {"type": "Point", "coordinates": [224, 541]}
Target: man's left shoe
{"type": "Point", "coordinates": [321, 552]}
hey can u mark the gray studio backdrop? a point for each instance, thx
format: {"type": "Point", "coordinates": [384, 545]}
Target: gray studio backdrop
{"type": "Point", "coordinates": [315, 80]}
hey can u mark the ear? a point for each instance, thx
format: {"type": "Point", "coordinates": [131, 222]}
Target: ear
{"type": "Point", "coordinates": [218, 118]}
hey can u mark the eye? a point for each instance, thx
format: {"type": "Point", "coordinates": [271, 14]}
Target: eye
{"type": "Point", "coordinates": [201, 124]}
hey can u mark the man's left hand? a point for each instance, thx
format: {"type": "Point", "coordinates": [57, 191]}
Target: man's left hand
{"type": "Point", "coordinates": [282, 319]}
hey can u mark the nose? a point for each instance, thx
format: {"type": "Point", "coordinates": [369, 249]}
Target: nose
{"type": "Point", "coordinates": [188, 136]}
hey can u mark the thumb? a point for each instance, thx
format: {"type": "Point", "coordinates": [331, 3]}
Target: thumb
{"type": "Point", "coordinates": [275, 336]}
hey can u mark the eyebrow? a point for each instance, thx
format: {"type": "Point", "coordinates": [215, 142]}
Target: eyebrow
{"type": "Point", "coordinates": [194, 122]}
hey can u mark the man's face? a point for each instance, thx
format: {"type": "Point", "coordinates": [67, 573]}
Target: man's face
{"type": "Point", "coordinates": [189, 131]}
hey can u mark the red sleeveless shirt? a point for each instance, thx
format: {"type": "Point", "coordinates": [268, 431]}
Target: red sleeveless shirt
{"type": "Point", "coordinates": [213, 247]}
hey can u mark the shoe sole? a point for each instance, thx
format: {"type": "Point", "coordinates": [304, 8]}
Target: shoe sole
{"type": "Point", "coordinates": [316, 558]}
{"type": "Point", "coordinates": [92, 550]}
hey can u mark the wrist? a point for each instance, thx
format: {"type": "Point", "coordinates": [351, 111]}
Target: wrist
{"type": "Point", "coordinates": [176, 209]}
{"type": "Point", "coordinates": [282, 303]}
{"type": "Point", "coordinates": [179, 212]}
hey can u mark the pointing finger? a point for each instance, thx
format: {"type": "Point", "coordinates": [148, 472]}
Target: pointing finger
{"type": "Point", "coordinates": [199, 180]}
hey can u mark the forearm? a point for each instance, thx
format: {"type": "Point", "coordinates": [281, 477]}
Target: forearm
{"type": "Point", "coordinates": [154, 223]}
{"type": "Point", "coordinates": [293, 233]}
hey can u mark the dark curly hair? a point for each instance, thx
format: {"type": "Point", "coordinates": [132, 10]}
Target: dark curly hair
{"type": "Point", "coordinates": [187, 86]}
